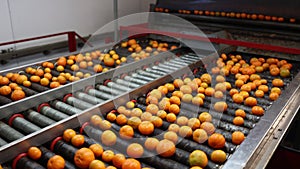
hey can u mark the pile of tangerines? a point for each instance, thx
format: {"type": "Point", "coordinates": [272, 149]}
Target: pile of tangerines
{"type": "Point", "coordinates": [247, 86]}
{"type": "Point", "coordinates": [153, 48]}
{"type": "Point", "coordinates": [236, 15]}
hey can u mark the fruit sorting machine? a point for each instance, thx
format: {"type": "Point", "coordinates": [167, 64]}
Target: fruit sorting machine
{"type": "Point", "coordinates": [39, 119]}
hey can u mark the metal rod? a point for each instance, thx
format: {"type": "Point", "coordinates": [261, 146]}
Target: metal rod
{"type": "Point", "coordinates": [116, 35]}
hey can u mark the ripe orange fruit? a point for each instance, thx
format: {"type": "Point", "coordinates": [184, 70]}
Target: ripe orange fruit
{"type": "Point", "coordinates": [68, 134]}
{"type": "Point", "coordinates": [56, 162]}
{"type": "Point", "coordinates": [98, 68]}
{"type": "Point", "coordinates": [39, 72]}
{"type": "Point", "coordinates": [4, 81]}
{"type": "Point", "coordinates": [34, 153]}
{"type": "Point", "coordinates": [273, 96]}
{"type": "Point", "coordinates": [77, 140]}
{"type": "Point", "coordinates": [21, 79]}
{"type": "Point", "coordinates": [264, 88]}
{"type": "Point", "coordinates": [134, 122]}
{"type": "Point", "coordinates": [182, 120]}
{"type": "Point", "coordinates": [151, 100]}
{"type": "Point", "coordinates": [175, 100]}
{"type": "Point", "coordinates": [156, 121]}
{"type": "Point", "coordinates": [174, 108]}
{"type": "Point", "coordinates": [187, 98]}
{"type": "Point", "coordinates": [95, 120]}
{"type": "Point", "coordinates": [259, 93]}
{"type": "Point", "coordinates": [251, 101]}
{"type": "Point", "coordinates": [209, 91]}
{"type": "Point", "coordinates": [146, 128]}
{"type": "Point", "coordinates": [194, 123]}
{"type": "Point", "coordinates": [17, 95]}
{"type": "Point", "coordinates": [105, 125]}
{"type": "Point", "coordinates": [35, 79]}
{"type": "Point", "coordinates": [151, 143]}
{"type": "Point", "coordinates": [197, 101]}
{"type": "Point", "coordinates": [163, 89]}
{"type": "Point", "coordinates": [198, 158]}
{"type": "Point", "coordinates": [220, 106]}
{"type": "Point", "coordinates": [171, 117]}
{"type": "Point", "coordinates": [83, 157]}
{"type": "Point", "coordinates": [218, 156]}
{"type": "Point", "coordinates": [239, 83]}
{"type": "Point", "coordinates": [54, 85]}
{"type": "Point", "coordinates": [238, 98]}
{"type": "Point", "coordinates": [165, 148]}
{"type": "Point", "coordinates": [97, 149]}
{"type": "Point", "coordinates": [109, 61]}
{"type": "Point", "coordinates": [239, 121]}
{"type": "Point", "coordinates": [44, 81]}
{"type": "Point", "coordinates": [205, 116]}
{"type": "Point", "coordinates": [152, 108]}
{"type": "Point", "coordinates": [97, 164]}
{"type": "Point", "coordinates": [118, 160]}
{"type": "Point", "coordinates": [174, 127]}
{"type": "Point", "coordinates": [240, 112]}
{"type": "Point", "coordinates": [108, 155]}
{"type": "Point", "coordinates": [111, 117]}
{"type": "Point", "coordinates": [172, 136]}
{"type": "Point", "coordinates": [276, 90]}
{"type": "Point", "coordinates": [5, 90]}
{"type": "Point", "coordinates": [131, 163]}
{"type": "Point", "coordinates": [178, 83]}
{"type": "Point", "coordinates": [108, 138]}
{"type": "Point", "coordinates": [126, 132]}
{"type": "Point", "coordinates": [185, 131]}
{"type": "Point", "coordinates": [146, 116]}
{"type": "Point", "coordinates": [208, 127]}
{"type": "Point", "coordinates": [161, 113]}
{"type": "Point", "coordinates": [135, 150]}
{"type": "Point", "coordinates": [257, 110]}
{"type": "Point", "coordinates": [200, 136]}
{"type": "Point", "coordinates": [216, 141]}
{"type": "Point", "coordinates": [277, 83]}
{"type": "Point", "coordinates": [237, 137]}
{"type": "Point", "coordinates": [206, 78]}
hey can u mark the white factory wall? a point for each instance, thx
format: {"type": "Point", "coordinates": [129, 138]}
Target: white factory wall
{"type": "Point", "coordinates": [32, 18]}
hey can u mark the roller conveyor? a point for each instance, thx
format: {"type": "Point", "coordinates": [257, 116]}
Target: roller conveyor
{"type": "Point", "coordinates": [104, 94]}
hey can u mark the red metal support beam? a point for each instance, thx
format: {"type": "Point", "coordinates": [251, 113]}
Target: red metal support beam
{"type": "Point", "coordinates": [71, 39]}
{"type": "Point", "coordinates": [142, 30]}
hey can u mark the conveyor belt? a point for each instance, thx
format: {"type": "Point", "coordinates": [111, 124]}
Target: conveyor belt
{"type": "Point", "coordinates": [148, 78]}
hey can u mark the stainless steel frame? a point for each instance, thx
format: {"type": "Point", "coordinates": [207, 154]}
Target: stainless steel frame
{"type": "Point", "coordinates": [254, 152]}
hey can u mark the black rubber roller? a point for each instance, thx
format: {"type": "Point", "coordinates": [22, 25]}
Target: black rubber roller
{"type": "Point", "coordinates": [2, 142]}
{"type": "Point", "coordinates": [97, 93]}
{"type": "Point", "coordinates": [28, 92]}
{"type": "Point", "coordinates": [4, 100]}
{"type": "Point", "coordinates": [22, 161]}
{"type": "Point", "coordinates": [9, 133]}
{"type": "Point", "coordinates": [39, 88]}
{"type": "Point", "coordinates": [65, 107]}
{"type": "Point", "coordinates": [138, 76]}
{"type": "Point", "coordinates": [127, 83]}
{"type": "Point", "coordinates": [60, 147]}
{"type": "Point", "coordinates": [48, 111]}
{"type": "Point", "coordinates": [144, 73]}
{"type": "Point", "coordinates": [47, 154]}
{"type": "Point", "coordinates": [118, 86]}
{"type": "Point", "coordinates": [18, 122]}
{"type": "Point", "coordinates": [108, 90]}
{"type": "Point", "coordinates": [88, 98]}
{"type": "Point", "coordinates": [76, 102]}
{"type": "Point", "coordinates": [38, 118]}
{"type": "Point", "coordinates": [131, 79]}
